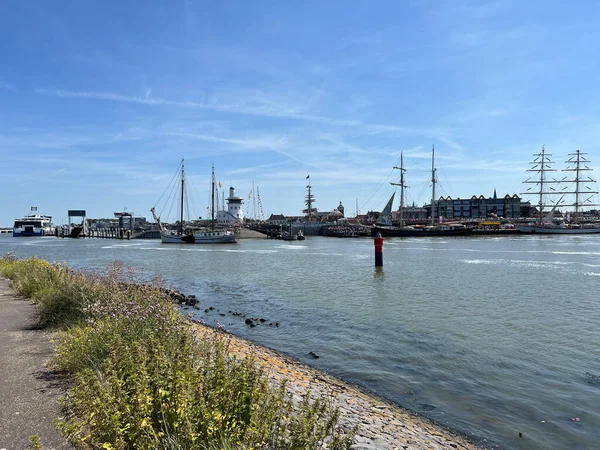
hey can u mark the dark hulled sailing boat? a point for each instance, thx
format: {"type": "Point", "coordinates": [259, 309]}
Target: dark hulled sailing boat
{"type": "Point", "coordinates": [175, 236]}
{"type": "Point", "coordinates": [384, 225]}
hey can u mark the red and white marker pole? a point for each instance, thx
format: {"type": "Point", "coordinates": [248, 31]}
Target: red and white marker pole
{"type": "Point", "coordinates": [378, 241]}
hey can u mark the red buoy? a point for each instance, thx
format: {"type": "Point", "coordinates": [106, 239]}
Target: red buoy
{"type": "Point", "coordinates": [378, 241]}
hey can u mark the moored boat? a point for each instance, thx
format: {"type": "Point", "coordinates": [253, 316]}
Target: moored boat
{"type": "Point", "coordinates": [180, 235]}
{"type": "Point", "coordinates": [546, 223]}
{"type": "Point", "coordinates": [385, 228]}
{"type": "Point", "coordinates": [33, 224]}
{"type": "Point", "coordinates": [495, 228]}
{"type": "Point", "coordinates": [213, 236]}
{"type": "Point", "coordinates": [423, 231]}
{"type": "Point", "coordinates": [551, 228]}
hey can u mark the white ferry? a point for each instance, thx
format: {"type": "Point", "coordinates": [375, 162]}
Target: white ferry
{"type": "Point", "coordinates": [33, 224]}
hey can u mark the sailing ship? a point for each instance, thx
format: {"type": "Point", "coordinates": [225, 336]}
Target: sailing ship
{"type": "Point", "coordinates": [178, 236]}
{"type": "Point", "coordinates": [548, 189]}
{"type": "Point", "coordinates": [385, 228]}
{"type": "Point", "coordinates": [213, 236]}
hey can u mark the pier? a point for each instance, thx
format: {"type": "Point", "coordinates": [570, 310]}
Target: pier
{"type": "Point", "coordinates": [110, 233]}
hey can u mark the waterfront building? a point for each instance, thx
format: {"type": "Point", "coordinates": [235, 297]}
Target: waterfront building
{"type": "Point", "coordinates": [478, 207]}
{"type": "Point", "coordinates": [277, 219]}
{"type": "Point", "coordinates": [411, 213]}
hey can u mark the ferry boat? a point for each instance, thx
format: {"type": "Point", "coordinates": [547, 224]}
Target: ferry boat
{"type": "Point", "coordinates": [33, 224]}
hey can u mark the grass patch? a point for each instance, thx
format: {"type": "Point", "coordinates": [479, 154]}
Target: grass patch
{"type": "Point", "coordinates": [142, 378]}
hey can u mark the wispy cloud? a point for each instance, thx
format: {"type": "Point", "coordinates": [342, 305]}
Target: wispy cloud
{"type": "Point", "coordinates": [255, 169]}
{"type": "Point", "coordinates": [44, 139]}
{"type": "Point", "coordinates": [259, 143]}
{"type": "Point", "coordinates": [262, 107]}
{"type": "Point", "coordinates": [450, 142]}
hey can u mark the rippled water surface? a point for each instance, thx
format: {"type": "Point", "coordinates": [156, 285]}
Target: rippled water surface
{"type": "Point", "coordinates": [489, 336]}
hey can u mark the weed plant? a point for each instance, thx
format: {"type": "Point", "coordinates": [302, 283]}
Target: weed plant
{"type": "Point", "coordinates": [143, 379]}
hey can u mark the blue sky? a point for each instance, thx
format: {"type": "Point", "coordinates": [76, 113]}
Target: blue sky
{"type": "Point", "coordinates": [99, 101]}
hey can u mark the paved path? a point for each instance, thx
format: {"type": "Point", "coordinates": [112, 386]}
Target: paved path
{"type": "Point", "coordinates": [28, 390]}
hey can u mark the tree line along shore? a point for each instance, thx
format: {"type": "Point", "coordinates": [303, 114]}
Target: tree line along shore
{"type": "Point", "coordinates": [143, 375]}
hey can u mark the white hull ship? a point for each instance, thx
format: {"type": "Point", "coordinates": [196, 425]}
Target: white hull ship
{"type": "Point", "coordinates": [33, 224]}
{"type": "Point", "coordinates": [549, 228]}
{"type": "Point", "coordinates": [548, 188]}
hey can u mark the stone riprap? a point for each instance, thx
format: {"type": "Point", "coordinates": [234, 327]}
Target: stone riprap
{"type": "Point", "coordinates": [381, 425]}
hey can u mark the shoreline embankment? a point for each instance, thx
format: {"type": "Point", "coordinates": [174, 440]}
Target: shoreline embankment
{"type": "Point", "coordinates": [382, 425]}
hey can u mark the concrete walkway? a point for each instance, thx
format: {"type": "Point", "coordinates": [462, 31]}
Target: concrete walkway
{"type": "Point", "coordinates": [28, 390]}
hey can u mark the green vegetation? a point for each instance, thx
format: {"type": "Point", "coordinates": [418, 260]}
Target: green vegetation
{"type": "Point", "coordinates": [143, 379]}
{"type": "Point", "coordinates": [36, 442]}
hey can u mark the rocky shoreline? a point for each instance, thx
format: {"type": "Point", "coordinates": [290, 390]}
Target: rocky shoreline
{"type": "Point", "coordinates": [381, 424]}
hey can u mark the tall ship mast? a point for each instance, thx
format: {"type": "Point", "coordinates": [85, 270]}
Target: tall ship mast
{"type": "Point", "coordinates": [541, 166]}
{"type": "Point", "coordinates": [384, 227]}
{"type": "Point", "coordinates": [213, 236]}
{"type": "Point", "coordinates": [402, 186]}
{"type": "Point", "coordinates": [583, 192]}
{"type": "Point", "coordinates": [547, 188]}
{"type": "Point", "coordinates": [212, 199]}
{"type": "Point", "coordinates": [181, 236]}
{"type": "Point", "coordinates": [433, 181]}
{"type": "Point", "coordinates": [309, 200]}
{"type": "Point", "coordinates": [182, 198]}
{"type": "Point", "coordinates": [172, 236]}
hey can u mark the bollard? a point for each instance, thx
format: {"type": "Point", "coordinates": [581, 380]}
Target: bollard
{"type": "Point", "coordinates": [378, 241]}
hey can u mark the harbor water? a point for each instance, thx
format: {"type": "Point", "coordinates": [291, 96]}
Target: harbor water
{"type": "Point", "coordinates": [495, 337]}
